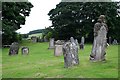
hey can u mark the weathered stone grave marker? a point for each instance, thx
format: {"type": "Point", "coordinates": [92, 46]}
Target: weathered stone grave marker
{"type": "Point", "coordinates": [115, 42]}
{"type": "Point", "coordinates": [51, 43]}
{"type": "Point", "coordinates": [58, 51]}
{"type": "Point", "coordinates": [45, 39]}
{"type": "Point", "coordinates": [34, 39]}
{"type": "Point", "coordinates": [70, 52]}
{"type": "Point", "coordinates": [110, 40]}
{"type": "Point", "coordinates": [14, 48]}
{"type": "Point", "coordinates": [99, 45]}
{"type": "Point", "coordinates": [82, 43]}
{"type": "Point", "coordinates": [25, 50]}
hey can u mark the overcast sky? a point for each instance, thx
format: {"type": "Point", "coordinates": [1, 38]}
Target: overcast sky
{"type": "Point", "coordinates": [38, 18]}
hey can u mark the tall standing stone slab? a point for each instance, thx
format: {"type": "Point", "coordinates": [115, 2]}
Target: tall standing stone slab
{"type": "Point", "coordinates": [100, 40]}
{"type": "Point", "coordinates": [51, 43]}
{"type": "Point", "coordinates": [110, 40]}
{"type": "Point", "coordinates": [14, 48]}
{"type": "Point", "coordinates": [70, 52]}
{"type": "Point", "coordinates": [82, 43]}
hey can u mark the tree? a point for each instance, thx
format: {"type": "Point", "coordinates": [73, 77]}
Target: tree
{"type": "Point", "coordinates": [13, 15]}
{"type": "Point", "coordinates": [24, 35]}
{"type": "Point", "coordinates": [78, 18]}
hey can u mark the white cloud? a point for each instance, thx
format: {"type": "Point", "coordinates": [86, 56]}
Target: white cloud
{"type": "Point", "coordinates": [38, 18]}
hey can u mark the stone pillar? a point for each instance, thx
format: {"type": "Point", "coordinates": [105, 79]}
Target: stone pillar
{"type": "Point", "coordinates": [115, 42]}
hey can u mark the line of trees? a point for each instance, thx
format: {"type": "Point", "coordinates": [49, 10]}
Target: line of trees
{"type": "Point", "coordinates": [35, 31]}
{"type": "Point", "coordinates": [77, 19]}
{"type": "Point", "coordinates": [74, 19]}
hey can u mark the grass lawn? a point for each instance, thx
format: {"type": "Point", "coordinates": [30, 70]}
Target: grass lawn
{"type": "Point", "coordinates": [41, 63]}
{"type": "Point", "coordinates": [0, 63]}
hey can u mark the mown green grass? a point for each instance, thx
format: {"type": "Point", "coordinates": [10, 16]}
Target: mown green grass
{"type": "Point", "coordinates": [0, 63]}
{"type": "Point", "coordinates": [41, 63]}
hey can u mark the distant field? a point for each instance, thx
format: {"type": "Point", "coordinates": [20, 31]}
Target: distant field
{"type": "Point", "coordinates": [41, 63]}
{"type": "Point", "coordinates": [37, 35]}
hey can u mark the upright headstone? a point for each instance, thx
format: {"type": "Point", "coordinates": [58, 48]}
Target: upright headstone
{"type": "Point", "coordinates": [14, 48]}
{"type": "Point", "coordinates": [114, 42]}
{"type": "Point", "coordinates": [41, 40]}
{"type": "Point", "coordinates": [59, 42]}
{"type": "Point", "coordinates": [100, 40]}
{"type": "Point", "coordinates": [76, 41]}
{"type": "Point", "coordinates": [38, 39]}
{"type": "Point", "coordinates": [45, 39]}
{"type": "Point", "coordinates": [25, 50]}
{"type": "Point", "coordinates": [82, 43]}
{"type": "Point", "coordinates": [34, 39]}
{"type": "Point", "coordinates": [70, 52]}
{"type": "Point", "coordinates": [51, 43]}
{"type": "Point", "coordinates": [110, 40]}
{"type": "Point", "coordinates": [58, 50]}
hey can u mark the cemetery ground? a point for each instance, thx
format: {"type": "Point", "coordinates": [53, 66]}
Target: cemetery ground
{"type": "Point", "coordinates": [41, 63]}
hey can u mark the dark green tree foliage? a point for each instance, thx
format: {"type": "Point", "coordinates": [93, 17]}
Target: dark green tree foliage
{"type": "Point", "coordinates": [13, 15]}
{"type": "Point", "coordinates": [47, 30]}
{"type": "Point", "coordinates": [24, 35]}
{"type": "Point", "coordinates": [50, 32]}
{"type": "Point", "coordinates": [0, 23]}
{"type": "Point", "coordinates": [77, 19]}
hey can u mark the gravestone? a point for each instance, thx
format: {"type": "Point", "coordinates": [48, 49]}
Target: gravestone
{"type": "Point", "coordinates": [82, 43]}
{"type": "Point", "coordinates": [38, 39]}
{"type": "Point", "coordinates": [110, 40]}
{"type": "Point", "coordinates": [76, 41]}
{"type": "Point", "coordinates": [99, 45]}
{"type": "Point", "coordinates": [14, 48]}
{"type": "Point", "coordinates": [58, 50]}
{"type": "Point", "coordinates": [25, 50]}
{"type": "Point", "coordinates": [51, 43]}
{"type": "Point", "coordinates": [45, 39]}
{"type": "Point", "coordinates": [70, 52]}
{"type": "Point", "coordinates": [115, 42]}
{"type": "Point", "coordinates": [34, 39]}
{"type": "Point", "coordinates": [59, 42]}
{"type": "Point", "coordinates": [41, 39]}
